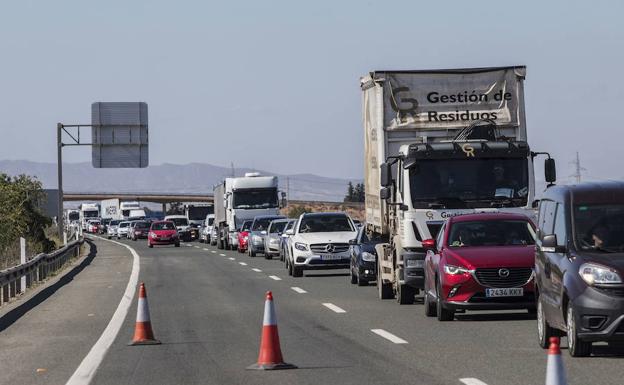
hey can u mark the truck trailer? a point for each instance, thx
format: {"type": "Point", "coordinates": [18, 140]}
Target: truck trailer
{"type": "Point", "coordinates": [440, 143]}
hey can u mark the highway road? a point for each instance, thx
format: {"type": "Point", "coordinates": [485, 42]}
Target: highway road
{"type": "Point", "coordinates": [206, 307]}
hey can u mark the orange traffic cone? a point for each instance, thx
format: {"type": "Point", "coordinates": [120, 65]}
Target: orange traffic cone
{"type": "Point", "coordinates": [270, 357]}
{"type": "Point", "coordinates": [143, 334]}
{"type": "Point", "coordinates": [555, 372]}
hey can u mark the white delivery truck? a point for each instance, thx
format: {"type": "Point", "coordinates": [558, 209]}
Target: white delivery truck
{"type": "Point", "coordinates": [440, 143]}
{"type": "Point", "coordinates": [239, 199]}
{"type": "Point", "coordinates": [88, 211]}
{"type": "Point", "coordinates": [126, 208]}
{"type": "Point", "coordinates": [110, 209]}
{"type": "Point", "coordinates": [197, 212]}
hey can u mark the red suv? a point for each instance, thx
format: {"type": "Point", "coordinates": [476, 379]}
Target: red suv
{"type": "Point", "coordinates": [480, 262]}
{"type": "Point", "coordinates": [163, 233]}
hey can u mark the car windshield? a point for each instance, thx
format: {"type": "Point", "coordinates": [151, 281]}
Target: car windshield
{"type": "Point", "coordinates": [261, 224]}
{"type": "Point", "coordinates": [124, 224]}
{"type": "Point", "coordinates": [469, 183]}
{"type": "Point", "coordinates": [255, 199]}
{"type": "Point", "coordinates": [114, 223]}
{"type": "Point", "coordinates": [277, 227]}
{"type": "Point", "coordinates": [599, 227]}
{"type": "Point", "coordinates": [373, 238]}
{"type": "Point", "coordinates": [179, 221]}
{"type": "Point", "coordinates": [325, 224]}
{"type": "Point", "coordinates": [246, 226]}
{"type": "Point", "coordinates": [210, 221]}
{"type": "Point", "coordinates": [491, 233]}
{"type": "Point", "coordinates": [90, 214]}
{"type": "Point", "coordinates": [142, 225]}
{"type": "Point", "coordinates": [163, 226]}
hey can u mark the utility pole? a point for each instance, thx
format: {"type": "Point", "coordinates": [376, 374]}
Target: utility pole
{"type": "Point", "coordinates": [577, 168]}
{"type": "Point", "coordinates": [59, 173]}
{"type": "Point", "coordinates": [288, 187]}
{"type": "Point", "coordinates": [233, 174]}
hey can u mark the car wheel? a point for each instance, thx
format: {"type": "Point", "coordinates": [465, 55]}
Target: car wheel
{"type": "Point", "coordinates": [576, 347]}
{"type": "Point", "coordinates": [405, 295]}
{"type": "Point", "coordinates": [354, 279]}
{"type": "Point", "coordinates": [177, 244]}
{"type": "Point", "coordinates": [544, 331]}
{"type": "Point", "coordinates": [430, 306]}
{"type": "Point", "coordinates": [109, 237]}
{"type": "Point", "coordinates": [288, 268]}
{"type": "Point", "coordinates": [297, 272]}
{"type": "Point", "coordinates": [442, 313]}
{"type": "Point", "coordinates": [150, 246]}
{"type": "Point", "coordinates": [360, 281]}
{"type": "Point", "coordinates": [267, 256]}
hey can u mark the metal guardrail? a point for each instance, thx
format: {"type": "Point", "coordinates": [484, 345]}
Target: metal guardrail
{"type": "Point", "coordinates": [38, 269]}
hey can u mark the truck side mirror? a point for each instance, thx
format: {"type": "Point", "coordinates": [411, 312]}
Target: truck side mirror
{"type": "Point", "coordinates": [384, 193]}
{"type": "Point", "coordinates": [550, 171]}
{"type": "Point", "coordinates": [385, 175]}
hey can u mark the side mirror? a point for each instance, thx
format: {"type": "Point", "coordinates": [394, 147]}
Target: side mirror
{"type": "Point", "coordinates": [385, 178]}
{"type": "Point", "coordinates": [429, 244]}
{"type": "Point", "coordinates": [290, 232]}
{"type": "Point", "coordinates": [384, 193]}
{"type": "Point", "coordinates": [550, 171]}
{"type": "Point", "coordinates": [353, 241]}
{"type": "Point", "coordinates": [535, 204]}
{"type": "Point", "coordinates": [263, 232]}
{"type": "Point", "coordinates": [549, 244]}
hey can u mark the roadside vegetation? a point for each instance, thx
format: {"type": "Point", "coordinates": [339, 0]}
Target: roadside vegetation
{"type": "Point", "coordinates": [20, 216]}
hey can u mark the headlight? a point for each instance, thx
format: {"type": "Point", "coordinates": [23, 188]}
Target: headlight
{"type": "Point", "coordinates": [301, 246]}
{"type": "Point", "coordinates": [246, 237]}
{"type": "Point", "coordinates": [368, 257]}
{"type": "Point", "coordinates": [256, 239]}
{"type": "Point", "coordinates": [598, 274]}
{"type": "Point", "coordinates": [417, 263]}
{"type": "Point", "coordinates": [153, 235]}
{"type": "Point", "coordinates": [455, 270]}
{"type": "Point", "coordinates": [273, 240]}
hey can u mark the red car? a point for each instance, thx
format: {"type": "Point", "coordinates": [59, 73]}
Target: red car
{"type": "Point", "coordinates": [243, 236]}
{"type": "Point", "coordinates": [163, 233]}
{"type": "Point", "coordinates": [94, 227]}
{"type": "Point", "coordinates": [480, 262]}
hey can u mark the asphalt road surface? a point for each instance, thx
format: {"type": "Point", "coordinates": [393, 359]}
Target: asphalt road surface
{"type": "Point", "coordinates": [206, 307]}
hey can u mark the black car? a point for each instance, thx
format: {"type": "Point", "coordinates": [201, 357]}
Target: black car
{"type": "Point", "coordinates": [579, 265]}
{"type": "Point", "coordinates": [364, 258]}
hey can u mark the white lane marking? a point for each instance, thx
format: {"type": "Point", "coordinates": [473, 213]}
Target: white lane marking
{"type": "Point", "coordinates": [334, 308]}
{"type": "Point", "coordinates": [231, 258]}
{"type": "Point", "coordinates": [298, 290]}
{"type": "Point", "coordinates": [275, 277]}
{"type": "Point", "coordinates": [223, 255]}
{"type": "Point", "coordinates": [197, 247]}
{"type": "Point", "coordinates": [389, 336]}
{"type": "Point", "coordinates": [472, 381]}
{"type": "Point", "coordinates": [213, 252]}
{"type": "Point", "coordinates": [257, 270]}
{"type": "Point", "coordinates": [205, 249]}
{"type": "Point", "coordinates": [89, 365]}
{"type": "Point", "coordinates": [242, 263]}
{"type": "Point", "coordinates": [188, 245]}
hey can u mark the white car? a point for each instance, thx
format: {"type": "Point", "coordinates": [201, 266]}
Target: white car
{"type": "Point", "coordinates": [320, 241]}
{"type": "Point", "coordinates": [206, 232]}
{"type": "Point", "coordinates": [122, 229]}
{"type": "Point", "coordinates": [182, 225]}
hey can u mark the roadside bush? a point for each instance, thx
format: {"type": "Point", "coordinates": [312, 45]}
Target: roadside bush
{"type": "Point", "coordinates": [296, 211]}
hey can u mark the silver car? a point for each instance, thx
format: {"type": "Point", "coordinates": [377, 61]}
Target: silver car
{"type": "Point", "coordinates": [284, 239]}
{"type": "Point", "coordinates": [111, 230]}
{"type": "Point", "coordinates": [272, 240]}
{"type": "Point", "coordinates": [122, 229]}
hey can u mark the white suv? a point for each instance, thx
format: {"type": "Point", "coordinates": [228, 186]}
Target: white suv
{"type": "Point", "coordinates": [319, 241]}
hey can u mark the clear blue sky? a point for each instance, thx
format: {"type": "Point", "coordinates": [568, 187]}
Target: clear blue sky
{"type": "Point", "coordinates": [274, 84]}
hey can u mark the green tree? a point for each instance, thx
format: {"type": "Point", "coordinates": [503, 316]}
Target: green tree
{"type": "Point", "coordinates": [350, 193]}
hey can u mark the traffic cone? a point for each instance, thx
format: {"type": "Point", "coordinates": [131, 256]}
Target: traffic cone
{"type": "Point", "coordinates": [555, 372]}
{"type": "Point", "coordinates": [143, 333]}
{"type": "Point", "coordinates": [270, 357]}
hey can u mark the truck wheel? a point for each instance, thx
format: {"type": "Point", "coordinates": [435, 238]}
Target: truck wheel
{"type": "Point", "coordinates": [384, 290]}
{"type": "Point", "coordinates": [297, 271]}
{"type": "Point", "coordinates": [442, 313]}
{"type": "Point", "coordinates": [405, 295]}
{"type": "Point", "coordinates": [544, 331]}
{"type": "Point", "coordinates": [220, 244]}
{"type": "Point", "coordinates": [576, 347]}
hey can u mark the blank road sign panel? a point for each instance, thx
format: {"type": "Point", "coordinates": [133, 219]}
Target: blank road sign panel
{"type": "Point", "coordinates": [120, 135]}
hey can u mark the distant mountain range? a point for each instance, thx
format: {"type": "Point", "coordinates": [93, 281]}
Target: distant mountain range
{"type": "Point", "coordinates": [170, 178]}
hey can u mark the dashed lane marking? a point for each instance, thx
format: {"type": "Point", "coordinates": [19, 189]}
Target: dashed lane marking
{"type": "Point", "coordinates": [275, 277]}
{"type": "Point", "coordinates": [197, 247]}
{"type": "Point", "coordinates": [389, 336]}
{"type": "Point", "coordinates": [205, 249]}
{"type": "Point", "coordinates": [471, 381]}
{"type": "Point", "coordinates": [334, 308]}
{"type": "Point", "coordinates": [298, 290]}
{"type": "Point", "coordinates": [257, 270]}
{"type": "Point", "coordinates": [231, 258]}
{"type": "Point", "coordinates": [223, 255]}
{"type": "Point", "coordinates": [242, 263]}
{"type": "Point", "coordinates": [213, 252]}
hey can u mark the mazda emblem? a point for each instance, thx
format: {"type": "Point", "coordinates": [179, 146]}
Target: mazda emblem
{"type": "Point", "coordinates": [503, 273]}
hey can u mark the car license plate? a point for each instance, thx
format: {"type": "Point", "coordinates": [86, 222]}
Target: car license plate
{"type": "Point", "coordinates": [330, 257]}
{"type": "Point", "coordinates": [509, 292]}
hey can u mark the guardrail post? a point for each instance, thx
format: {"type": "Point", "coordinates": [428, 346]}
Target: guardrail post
{"type": "Point", "coordinates": [5, 293]}
{"type": "Point", "coordinates": [22, 261]}
{"type": "Point", "coordinates": [65, 238]}
{"type": "Point", "coordinates": [12, 288]}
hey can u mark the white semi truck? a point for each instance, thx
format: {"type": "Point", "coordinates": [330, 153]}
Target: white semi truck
{"type": "Point", "coordinates": [437, 144]}
{"type": "Point", "coordinates": [88, 211]}
{"type": "Point", "coordinates": [239, 199]}
{"type": "Point", "coordinates": [197, 212]}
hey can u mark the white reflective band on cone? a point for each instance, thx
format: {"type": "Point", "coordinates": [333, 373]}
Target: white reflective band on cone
{"type": "Point", "coordinates": [269, 314]}
{"type": "Point", "coordinates": [143, 311]}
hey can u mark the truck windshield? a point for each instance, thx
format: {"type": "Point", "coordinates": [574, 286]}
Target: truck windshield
{"type": "Point", "coordinates": [74, 216]}
{"type": "Point", "coordinates": [469, 183]}
{"type": "Point", "coordinates": [199, 212]}
{"type": "Point", "coordinates": [91, 214]}
{"type": "Point", "coordinates": [255, 198]}
{"type": "Point", "coordinates": [599, 227]}
{"type": "Point", "coordinates": [179, 221]}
